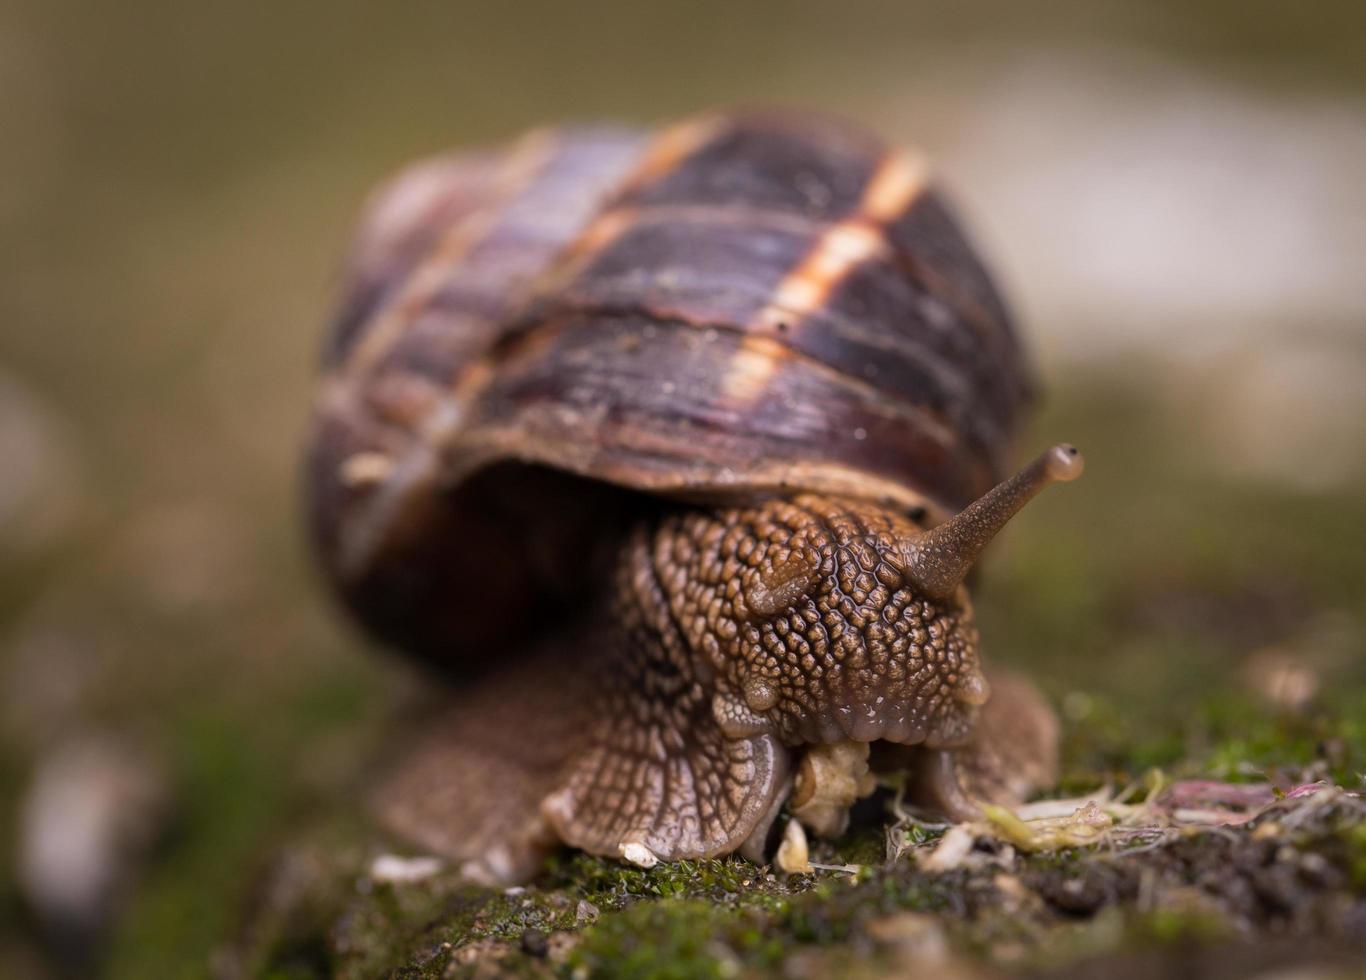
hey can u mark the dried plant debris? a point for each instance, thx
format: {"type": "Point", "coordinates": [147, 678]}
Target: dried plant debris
{"type": "Point", "coordinates": [1167, 812]}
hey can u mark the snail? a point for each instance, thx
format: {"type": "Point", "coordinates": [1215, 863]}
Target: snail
{"type": "Point", "coordinates": [670, 452]}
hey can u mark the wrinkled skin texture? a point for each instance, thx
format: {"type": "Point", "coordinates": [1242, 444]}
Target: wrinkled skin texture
{"type": "Point", "coordinates": [736, 636]}
{"type": "Point", "coordinates": [851, 652]}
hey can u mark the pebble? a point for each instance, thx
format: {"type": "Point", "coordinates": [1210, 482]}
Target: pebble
{"type": "Point", "coordinates": [95, 807]}
{"type": "Point", "coordinates": [392, 869]}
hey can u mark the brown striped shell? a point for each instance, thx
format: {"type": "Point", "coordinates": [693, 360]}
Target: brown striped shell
{"type": "Point", "coordinates": [736, 306]}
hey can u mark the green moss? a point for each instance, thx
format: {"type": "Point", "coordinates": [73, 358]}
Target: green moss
{"type": "Point", "coordinates": [1228, 735]}
{"type": "Point", "coordinates": [867, 846]}
{"type": "Point", "coordinates": [1247, 741]}
{"type": "Point", "coordinates": [1355, 838]}
{"type": "Point", "coordinates": [230, 795]}
{"type": "Point", "coordinates": [655, 941]}
{"type": "Point", "coordinates": [1177, 925]}
{"type": "Point", "coordinates": [611, 885]}
{"type": "Point", "coordinates": [753, 929]}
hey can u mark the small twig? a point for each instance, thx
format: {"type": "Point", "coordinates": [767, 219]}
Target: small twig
{"type": "Point", "coordinates": [849, 869]}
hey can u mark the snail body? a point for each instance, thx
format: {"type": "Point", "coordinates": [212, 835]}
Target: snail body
{"type": "Point", "coordinates": [671, 452]}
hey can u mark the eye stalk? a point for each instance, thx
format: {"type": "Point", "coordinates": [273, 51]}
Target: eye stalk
{"type": "Point", "coordinates": [938, 560]}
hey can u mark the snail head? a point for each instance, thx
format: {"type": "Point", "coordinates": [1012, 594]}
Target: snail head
{"type": "Point", "coordinates": [852, 622]}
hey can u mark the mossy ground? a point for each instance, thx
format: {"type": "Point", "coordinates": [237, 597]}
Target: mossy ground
{"type": "Point", "coordinates": [1293, 881]}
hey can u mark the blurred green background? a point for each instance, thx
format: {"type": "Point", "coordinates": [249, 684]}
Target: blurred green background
{"type": "Point", "coordinates": [1171, 192]}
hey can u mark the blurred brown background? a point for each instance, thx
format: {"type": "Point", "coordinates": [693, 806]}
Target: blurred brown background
{"type": "Point", "coordinates": [1172, 193]}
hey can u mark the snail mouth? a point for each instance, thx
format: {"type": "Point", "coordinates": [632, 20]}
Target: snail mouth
{"type": "Point", "coordinates": [886, 720]}
{"type": "Point", "coordinates": [869, 723]}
